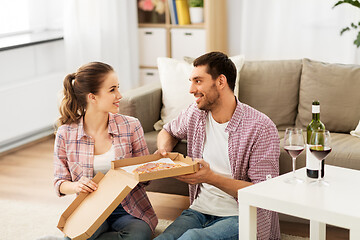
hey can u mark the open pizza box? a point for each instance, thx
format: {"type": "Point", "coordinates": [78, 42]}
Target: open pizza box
{"type": "Point", "coordinates": [89, 210]}
{"type": "Point", "coordinates": [187, 166]}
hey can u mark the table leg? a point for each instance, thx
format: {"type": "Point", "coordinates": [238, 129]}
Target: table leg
{"type": "Point", "coordinates": [247, 222]}
{"type": "Point", "coordinates": [354, 234]}
{"type": "Point", "coordinates": [317, 230]}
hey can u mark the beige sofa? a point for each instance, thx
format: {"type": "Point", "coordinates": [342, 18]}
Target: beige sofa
{"type": "Point", "coordinates": [283, 90]}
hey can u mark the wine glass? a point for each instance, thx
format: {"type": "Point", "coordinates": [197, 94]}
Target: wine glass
{"type": "Point", "coordinates": [294, 144]}
{"type": "Point", "coordinates": [320, 147]}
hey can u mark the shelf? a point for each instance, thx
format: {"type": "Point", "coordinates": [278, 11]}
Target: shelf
{"type": "Point", "coordinates": [150, 67]}
{"type": "Point", "coordinates": [213, 38]}
{"type": "Point", "coordinates": [152, 25]}
{"type": "Point", "coordinates": [196, 26]}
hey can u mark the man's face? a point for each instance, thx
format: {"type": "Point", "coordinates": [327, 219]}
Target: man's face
{"type": "Point", "coordinates": [203, 87]}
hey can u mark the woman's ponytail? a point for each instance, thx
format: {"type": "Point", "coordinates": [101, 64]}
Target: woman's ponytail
{"type": "Point", "coordinates": [70, 110]}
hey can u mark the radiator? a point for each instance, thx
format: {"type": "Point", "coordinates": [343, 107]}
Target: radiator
{"type": "Point", "coordinates": [29, 110]}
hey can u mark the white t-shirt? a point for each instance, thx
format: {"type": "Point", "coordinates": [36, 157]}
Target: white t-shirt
{"type": "Point", "coordinates": [211, 200]}
{"type": "Point", "coordinates": [102, 162]}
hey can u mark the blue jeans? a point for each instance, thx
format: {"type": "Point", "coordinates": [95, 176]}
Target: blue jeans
{"type": "Point", "coordinates": [192, 224]}
{"type": "Point", "coordinates": [121, 225]}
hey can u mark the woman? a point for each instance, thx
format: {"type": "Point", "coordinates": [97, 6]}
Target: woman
{"type": "Point", "coordinates": [90, 136]}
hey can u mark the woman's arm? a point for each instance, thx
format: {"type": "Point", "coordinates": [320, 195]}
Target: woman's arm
{"type": "Point", "coordinates": [62, 176]}
{"type": "Point", "coordinates": [83, 185]}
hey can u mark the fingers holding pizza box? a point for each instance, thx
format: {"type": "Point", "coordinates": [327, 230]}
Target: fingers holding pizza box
{"type": "Point", "coordinates": [204, 175]}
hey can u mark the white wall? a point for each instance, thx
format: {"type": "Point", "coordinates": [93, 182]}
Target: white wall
{"type": "Point", "coordinates": [282, 29]}
{"type": "Point", "coordinates": [30, 81]}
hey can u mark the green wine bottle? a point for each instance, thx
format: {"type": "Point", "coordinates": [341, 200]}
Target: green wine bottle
{"type": "Point", "coordinates": [312, 164]}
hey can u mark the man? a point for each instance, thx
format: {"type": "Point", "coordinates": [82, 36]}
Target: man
{"type": "Point", "coordinates": [237, 147]}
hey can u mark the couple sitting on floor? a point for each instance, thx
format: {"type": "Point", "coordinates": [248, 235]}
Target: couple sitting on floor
{"type": "Point", "coordinates": [236, 145]}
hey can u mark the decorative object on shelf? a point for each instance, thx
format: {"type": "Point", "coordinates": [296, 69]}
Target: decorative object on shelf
{"type": "Point", "coordinates": [355, 26]}
{"type": "Point", "coordinates": [196, 9]}
{"type": "Point", "coordinates": [151, 11]}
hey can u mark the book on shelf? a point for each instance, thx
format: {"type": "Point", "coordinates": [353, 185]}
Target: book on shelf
{"type": "Point", "coordinates": [173, 13]}
{"type": "Point", "coordinates": [182, 10]}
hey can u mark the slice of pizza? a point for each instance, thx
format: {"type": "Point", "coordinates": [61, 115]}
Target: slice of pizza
{"type": "Point", "coordinates": [153, 167]}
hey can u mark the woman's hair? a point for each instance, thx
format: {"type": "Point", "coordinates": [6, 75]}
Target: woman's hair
{"type": "Point", "coordinates": [77, 86]}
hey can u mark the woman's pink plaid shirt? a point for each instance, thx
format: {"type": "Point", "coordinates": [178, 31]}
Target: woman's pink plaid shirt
{"type": "Point", "coordinates": [74, 158]}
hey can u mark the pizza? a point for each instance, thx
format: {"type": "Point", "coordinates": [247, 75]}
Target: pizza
{"type": "Point", "coordinates": [153, 167]}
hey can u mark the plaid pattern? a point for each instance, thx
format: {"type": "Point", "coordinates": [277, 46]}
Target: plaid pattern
{"type": "Point", "coordinates": [74, 158]}
{"type": "Point", "coordinates": [254, 150]}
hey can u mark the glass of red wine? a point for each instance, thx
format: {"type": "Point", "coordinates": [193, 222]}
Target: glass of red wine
{"type": "Point", "coordinates": [294, 145]}
{"type": "Point", "coordinates": [320, 147]}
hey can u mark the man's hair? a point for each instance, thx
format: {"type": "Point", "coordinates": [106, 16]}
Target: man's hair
{"type": "Point", "coordinates": [218, 63]}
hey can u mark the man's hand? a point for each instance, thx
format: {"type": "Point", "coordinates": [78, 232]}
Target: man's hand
{"type": "Point", "coordinates": [161, 151]}
{"type": "Point", "coordinates": [204, 175]}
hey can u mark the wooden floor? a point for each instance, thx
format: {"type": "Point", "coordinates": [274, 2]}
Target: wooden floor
{"type": "Point", "coordinates": [26, 175]}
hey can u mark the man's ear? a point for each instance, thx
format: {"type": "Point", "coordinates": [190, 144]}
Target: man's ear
{"type": "Point", "coordinates": [222, 81]}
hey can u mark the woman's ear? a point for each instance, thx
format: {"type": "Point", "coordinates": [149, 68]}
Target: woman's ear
{"type": "Point", "coordinates": [91, 97]}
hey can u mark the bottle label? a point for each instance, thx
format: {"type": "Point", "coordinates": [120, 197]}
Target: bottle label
{"type": "Point", "coordinates": [311, 161]}
{"type": "Point", "coordinates": [315, 108]}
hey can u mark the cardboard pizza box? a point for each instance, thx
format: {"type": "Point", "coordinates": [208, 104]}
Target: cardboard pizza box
{"type": "Point", "coordinates": [188, 166]}
{"type": "Point", "coordinates": [89, 210]}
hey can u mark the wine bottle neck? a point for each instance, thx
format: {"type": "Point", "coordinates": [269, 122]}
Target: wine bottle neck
{"type": "Point", "coordinates": [316, 116]}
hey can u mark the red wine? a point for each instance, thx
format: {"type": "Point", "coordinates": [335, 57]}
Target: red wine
{"type": "Point", "coordinates": [320, 154]}
{"type": "Point", "coordinates": [294, 151]}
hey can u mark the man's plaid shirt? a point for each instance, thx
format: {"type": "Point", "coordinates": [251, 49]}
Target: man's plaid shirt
{"type": "Point", "coordinates": [254, 150]}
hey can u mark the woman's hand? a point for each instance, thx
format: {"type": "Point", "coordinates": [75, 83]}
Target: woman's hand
{"type": "Point", "coordinates": [85, 185]}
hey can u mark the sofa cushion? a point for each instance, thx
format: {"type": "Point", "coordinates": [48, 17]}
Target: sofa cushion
{"type": "Point", "coordinates": [337, 87]}
{"type": "Point", "coordinates": [272, 87]}
{"type": "Point", "coordinates": [144, 103]}
{"type": "Point", "coordinates": [345, 153]}
{"type": "Point", "coordinates": [168, 185]}
{"type": "Point", "coordinates": [151, 137]}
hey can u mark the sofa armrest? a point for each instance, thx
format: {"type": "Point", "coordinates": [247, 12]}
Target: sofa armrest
{"type": "Point", "coordinates": [144, 103]}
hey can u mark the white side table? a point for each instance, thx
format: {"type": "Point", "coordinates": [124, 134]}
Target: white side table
{"type": "Point", "coordinates": [337, 204]}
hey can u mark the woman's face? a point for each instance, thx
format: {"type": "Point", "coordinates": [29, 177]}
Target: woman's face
{"type": "Point", "coordinates": [108, 97]}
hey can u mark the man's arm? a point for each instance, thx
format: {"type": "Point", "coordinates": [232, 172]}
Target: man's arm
{"type": "Point", "coordinates": [165, 142]}
{"type": "Point", "coordinates": [206, 175]}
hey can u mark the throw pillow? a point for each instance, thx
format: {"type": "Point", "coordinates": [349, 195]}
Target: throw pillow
{"type": "Point", "coordinates": [272, 87]}
{"type": "Point", "coordinates": [174, 78]}
{"type": "Point", "coordinates": [336, 86]}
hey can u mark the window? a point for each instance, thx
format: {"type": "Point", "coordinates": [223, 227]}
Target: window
{"type": "Point", "coordinates": [21, 16]}
{"type": "Point", "coordinates": [14, 17]}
